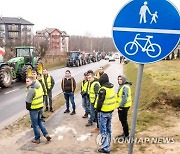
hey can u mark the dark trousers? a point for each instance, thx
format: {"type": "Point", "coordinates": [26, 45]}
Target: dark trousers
{"type": "Point", "coordinates": [48, 99]}
{"type": "Point", "coordinates": [123, 118]}
{"type": "Point", "coordinates": [96, 118]}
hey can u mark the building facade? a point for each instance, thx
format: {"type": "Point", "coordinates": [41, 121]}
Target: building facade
{"type": "Point", "coordinates": [15, 32]}
{"type": "Point", "coordinates": [57, 41]}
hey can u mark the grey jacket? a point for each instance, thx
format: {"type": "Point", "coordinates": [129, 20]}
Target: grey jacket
{"type": "Point", "coordinates": [31, 94]}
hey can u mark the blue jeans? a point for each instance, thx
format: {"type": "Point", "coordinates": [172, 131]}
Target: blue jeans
{"type": "Point", "coordinates": [86, 104]}
{"type": "Point", "coordinates": [70, 96]}
{"type": "Point", "coordinates": [36, 121]}
{"type": "Point", "coordinates": [92, 113]}
{"type": "Point", "coordinates": [104, 120]}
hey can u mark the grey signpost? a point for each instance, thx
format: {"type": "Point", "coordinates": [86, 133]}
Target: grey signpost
{"type": "Point", "coordinates": [144, 20]}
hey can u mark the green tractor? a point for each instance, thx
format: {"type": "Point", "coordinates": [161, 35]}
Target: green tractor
{"type": "Point", "coordinates": [24, 62]}
{"type": "Point", "coordinates": [5, 74]}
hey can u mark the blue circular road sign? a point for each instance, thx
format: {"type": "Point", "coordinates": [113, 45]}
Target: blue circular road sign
{"type": "Point", "coordinates": [146, 31]}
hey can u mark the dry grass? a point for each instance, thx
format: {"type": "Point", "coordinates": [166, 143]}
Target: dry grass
{"type": "Point", "coordinates": [159, 95]}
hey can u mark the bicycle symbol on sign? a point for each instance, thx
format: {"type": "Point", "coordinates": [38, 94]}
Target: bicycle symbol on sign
{"type": "Point", "coordinates": [153, 50]}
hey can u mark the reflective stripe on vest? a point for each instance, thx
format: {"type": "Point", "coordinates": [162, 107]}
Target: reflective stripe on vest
{"type": "Point", "coordinates": [92, 95]}
{"type": "Point", "coordinates": [37, 101]}
{"type": "Point", "coordinates": [119, 97]}
{"type": "Point", "coordinates": [109, 103]}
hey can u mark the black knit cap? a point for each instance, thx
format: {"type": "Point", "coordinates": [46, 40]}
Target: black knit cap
{"type": "Point", "coordinates": [90, 72]}
{"type": "Point", "coordinates": [103, 79]}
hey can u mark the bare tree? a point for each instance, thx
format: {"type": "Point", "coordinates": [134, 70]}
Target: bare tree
{"type": "Point", "coordinates": [88, 43]}
{"type": "Point", "coordinates": [43, 48]}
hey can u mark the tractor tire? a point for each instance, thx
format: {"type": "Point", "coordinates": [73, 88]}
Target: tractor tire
{"type": "Point", "coordinates": [26, 71]}
{"type": "Point", "coordinates": [67, 65]}
{"type": "Point", "coordinates": [39, 66]}
{"type": "Point", "coordinates": [77, 63]}
{"type": "Point", "coordinates": [5, 76]}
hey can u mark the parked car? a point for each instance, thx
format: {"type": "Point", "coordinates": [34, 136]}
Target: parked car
{"type": "Point", "coordinates": [126, 61]}
{"type": "Point", "coordinates": [88, 58]}
{"type": "Point", "coordinates": [106, 57]}
{"type": "Point", "coordinates": [111, 58]}
{"type": "Point", "coordinates": [116, 55]}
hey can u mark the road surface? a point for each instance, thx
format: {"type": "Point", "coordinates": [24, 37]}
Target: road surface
{"type": "Point", "coordinates": [12, 100]}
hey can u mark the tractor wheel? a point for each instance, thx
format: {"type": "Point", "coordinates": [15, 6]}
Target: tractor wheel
{"type": "Point", "coordinates": [39, 66]}
{"type": "Point", "coordinates": [77, 63]}
{"type": "Point", "coordinates": [26, 71]}
{"type": "Point", "coordinates": [5, 76]}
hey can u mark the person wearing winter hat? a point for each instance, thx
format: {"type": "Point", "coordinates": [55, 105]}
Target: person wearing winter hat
{"type": "Point", "coordinates": [124, 102]}
{"type": "Point", "coordinates": [105, 105]}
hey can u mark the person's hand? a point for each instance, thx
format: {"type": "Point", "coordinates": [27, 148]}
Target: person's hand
{"type": "Point", "coordinates": [120, 108]}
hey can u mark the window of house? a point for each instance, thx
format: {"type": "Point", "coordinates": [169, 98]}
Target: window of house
{"type": "Point", "coordinates": [13, 34]}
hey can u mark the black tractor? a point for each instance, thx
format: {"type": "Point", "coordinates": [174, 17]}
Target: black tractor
{"type": "Point", "coordinates": [74, 59]}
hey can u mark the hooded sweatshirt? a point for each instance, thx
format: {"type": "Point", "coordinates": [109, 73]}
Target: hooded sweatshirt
{"type": "Point", "coordinates": [125, 90]}
{"type": "Point", "coordinates": [31, 94]}
{"type": "Point", "coordinates": [104, 81]}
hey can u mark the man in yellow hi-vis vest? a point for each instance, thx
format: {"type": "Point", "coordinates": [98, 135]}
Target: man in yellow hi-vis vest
{"type": "Point", "coordinates": [34, 103]}
{"type": "Point", "coordinates": [105, 105]}
{"type": "Point", "coordinates": [36, 78]}
{"type": "Point", "coordinates": [124, 102]}
{"type": "Point", "coordinates": [84, 94]}
{"type": "Point", "coordinates": [49, 84]}
{"type": "Point", "coordinates": [100, 72]}
{"type": "Point", "coordinates": [92, 92]}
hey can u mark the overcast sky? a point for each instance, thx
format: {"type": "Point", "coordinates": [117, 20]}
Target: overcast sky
{"type": "Point", "coordinates": [76, 17]}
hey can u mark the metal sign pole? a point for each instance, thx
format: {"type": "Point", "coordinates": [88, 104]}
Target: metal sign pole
{"type": "Point", "coordinates": [135, 110]}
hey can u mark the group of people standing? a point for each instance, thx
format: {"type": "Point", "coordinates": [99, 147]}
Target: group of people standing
{"type": "Point", "coordinates": [39, 91]}
{"type": "Point", "coordinates": [99, 100]}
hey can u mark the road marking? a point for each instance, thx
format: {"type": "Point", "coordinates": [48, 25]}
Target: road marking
{"type": "Point", "coordinates": [11, 91]}
{"type": "Point", "coordinates": [164, 31]}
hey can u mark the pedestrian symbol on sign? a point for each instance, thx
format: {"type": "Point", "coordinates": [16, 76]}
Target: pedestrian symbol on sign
{"type": "Point", "coordinates": [143, 15]}
{"type": "Point", "coordinates": [144, 32]}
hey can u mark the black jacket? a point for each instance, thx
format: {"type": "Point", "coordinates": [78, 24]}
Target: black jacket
{"type": "Point", "coordinates": [104, 81]}
{"type": "Point", "coordinates": [68, 85]}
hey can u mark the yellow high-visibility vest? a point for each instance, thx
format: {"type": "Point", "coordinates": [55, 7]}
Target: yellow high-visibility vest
{"type": "Point", "coordinates": [92, 95]}
{"type": "Point", "coordinates": [45, 93]}
{"type": "Point", "coordinates": [48, 80]}
{"type": "Point", "coordinates": [109, 103]}
{"type": "Point", "coordinates": [119, 97]}
{"type": "Point", "coordinates": [98, 75]}
{"type": "Point", "coordinates": [37, 101]}
{"type": "Point", "coordinates": [84, 86]}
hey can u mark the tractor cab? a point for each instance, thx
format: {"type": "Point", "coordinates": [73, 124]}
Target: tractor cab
{"type": "Point", "coordinates": [27, 53]}
{"type": "Point", "coordinates": [24, 61]}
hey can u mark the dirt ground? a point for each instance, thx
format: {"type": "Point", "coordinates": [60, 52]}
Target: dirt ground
{"type": "Point", "coordinates": [171, 134]}
{"type": "Point", "coordinates": [71, 136]}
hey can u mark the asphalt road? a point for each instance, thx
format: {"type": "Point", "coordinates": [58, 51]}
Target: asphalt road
{"type": "Point", "coordinates": [12, 100]}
